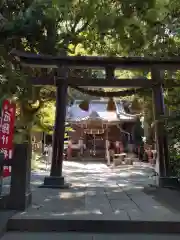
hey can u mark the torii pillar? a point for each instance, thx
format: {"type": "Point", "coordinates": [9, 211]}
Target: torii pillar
{"type": "Point", "coordinates": [56, 179]}
{"type": "Point", "coordinates": [160, 131]}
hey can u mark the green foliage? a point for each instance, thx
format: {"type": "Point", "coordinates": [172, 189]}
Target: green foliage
{"type": "Point", "coordinates": [45, 117]}
{"type": "Point", "coordinates": [174, 145]}
{"type": "Point", "coordinates": [172, 124]}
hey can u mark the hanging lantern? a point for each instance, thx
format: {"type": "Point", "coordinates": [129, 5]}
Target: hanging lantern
{"type": "Point", "coordinates": [111, 106]}
{"type": "Point", "coordinates": [84, 105]}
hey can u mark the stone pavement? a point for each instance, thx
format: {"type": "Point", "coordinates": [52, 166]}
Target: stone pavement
{"type": "Point", "coordinates": [80, 236]}
{"type": "Point", "coordinates": [99, 193]}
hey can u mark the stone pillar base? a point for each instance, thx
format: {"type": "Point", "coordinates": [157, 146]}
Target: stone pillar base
{"type": "Point", "coordinates": [169, 182]}
{"type": "Point", "coordinates": [23, 202]}
{"type": "Point", "coordinates": [54, 182]}
{"type": "Point", "coordinates": [20, 196]}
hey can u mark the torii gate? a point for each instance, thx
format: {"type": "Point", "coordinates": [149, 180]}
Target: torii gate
{"type": "Point", "coordinates": [109, 64]}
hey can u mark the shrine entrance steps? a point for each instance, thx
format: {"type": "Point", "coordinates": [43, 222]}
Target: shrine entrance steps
{"type": "Point", "coordinates": [87, 236]}
{"type": "Point", "coordinates": [101, 200]}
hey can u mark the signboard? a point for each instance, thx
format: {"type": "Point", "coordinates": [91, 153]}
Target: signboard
{"type": "Point", "coordinates": [6, 132]}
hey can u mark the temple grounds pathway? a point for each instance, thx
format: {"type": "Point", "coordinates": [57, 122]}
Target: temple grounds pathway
{"type": "Point", "coordinates": [98, 193]}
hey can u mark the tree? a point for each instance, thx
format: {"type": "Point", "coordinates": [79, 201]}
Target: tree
{"type": "Point", "coordinates": [39, 27]}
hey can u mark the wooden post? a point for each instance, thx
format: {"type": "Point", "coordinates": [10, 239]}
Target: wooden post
{"type": "Point", "coordinates": [160, 133]}
{"type": "Point", "coordinates": [56, 180]}
{"type": "Point", "coordinates": [59, 129]}
{"type": "Point", "coordinates": [110, 73]}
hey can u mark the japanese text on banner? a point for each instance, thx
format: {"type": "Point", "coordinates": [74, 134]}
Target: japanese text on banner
{"type": "Point", "coordinates": [6, 130]}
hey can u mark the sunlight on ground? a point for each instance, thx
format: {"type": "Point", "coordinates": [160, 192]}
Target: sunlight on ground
{"type": "Point", "coordinates": [68, 195]}
{"type": "Point", "coordinates": [63, 214]}
{"type": "Point", "coordinates": [97, 192]}
{"type": "Point", "coordinates": [38, 183]}
{"type": "Point", "coordinates": [95, 211]}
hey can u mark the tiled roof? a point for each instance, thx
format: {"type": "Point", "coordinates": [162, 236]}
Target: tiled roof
{"type": "Point", "coordinates": [97, 111]}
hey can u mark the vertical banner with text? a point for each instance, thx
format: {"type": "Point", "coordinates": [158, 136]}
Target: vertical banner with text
{"type": "Point", "coordinates": [6, 132]}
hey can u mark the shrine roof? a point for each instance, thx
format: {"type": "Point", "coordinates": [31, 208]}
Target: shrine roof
{"type": "Point", "coordinates": [97, 111]}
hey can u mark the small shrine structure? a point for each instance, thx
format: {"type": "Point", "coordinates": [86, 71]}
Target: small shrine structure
{"type": "Point", "coordinates": [93, 129]}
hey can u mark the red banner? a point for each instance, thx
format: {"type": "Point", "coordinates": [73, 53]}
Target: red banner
{"type": "Point", "coordinates": [6, 132]}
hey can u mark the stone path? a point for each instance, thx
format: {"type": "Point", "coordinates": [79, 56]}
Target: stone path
{"type": "Point", "coordinates": [99, 192]}
{"type": "Point", "coordinates": [110, 196]}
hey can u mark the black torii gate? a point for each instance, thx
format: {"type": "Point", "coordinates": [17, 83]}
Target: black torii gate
{"type": "Point", "coordinates": [109, 64]}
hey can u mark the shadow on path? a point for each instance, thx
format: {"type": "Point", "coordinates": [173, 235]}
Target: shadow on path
{"type": "Point", "coordinates": [168, 197]}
